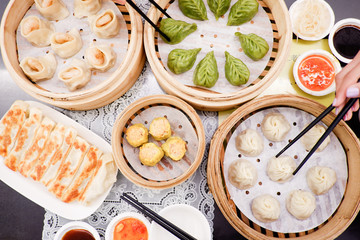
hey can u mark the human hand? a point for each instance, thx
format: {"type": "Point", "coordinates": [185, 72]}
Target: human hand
{"type": "Point", "coordinates": [347, 86]}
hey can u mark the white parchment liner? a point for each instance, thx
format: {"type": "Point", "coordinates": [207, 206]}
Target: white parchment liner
{"type": "Point", "coordinates": [332, 156]}
{"type": "Point", "coordinates": [166, 169]}
{"type": "Point", "coordinates": [212, 35]}
{"type": "Point", "coordinates": [119, 45]}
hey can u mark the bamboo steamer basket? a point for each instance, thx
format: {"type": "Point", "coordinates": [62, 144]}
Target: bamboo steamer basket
{"type": "Point", "coordinates": [204, 99]}
{"type": "Point", "coordinates": [332, 227]}
{"type": "Point", "coordinates": [107, 91]}
{"type": "Point", "coordinates": [123, 121]}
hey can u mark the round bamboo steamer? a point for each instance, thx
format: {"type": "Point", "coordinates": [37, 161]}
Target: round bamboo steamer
{"type": "Point", "coordinates": [109, 90]}
{"type": "Point", "coordinates": [124, 120]}
{"type": "Point", "coordinates": [332, 227]}
{"type": "Point", "coordinates": [209, 100]}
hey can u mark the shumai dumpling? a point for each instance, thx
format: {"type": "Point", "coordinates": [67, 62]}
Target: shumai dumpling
{"type": "Point", "coordinates": [249, 142]}
{"type": "Point", "coordinates": [312, 136]}
{"type": "Point", "coordinates": [174, 148]}
{"type": "Point", "coordinates": [160, 128]}
{"type": "Point", "coordinates": [266, 208]}
{"type": "Point", "coordinates": [52, 9]}
{"type": "Point", "coordinates": [301, 204]}
{"type": "Point", "coordinates": [254, 46]}
{"type": "Point", "coordinates": [100, 57]}
{"type": "Point", "coordinates": [40, 68]}
{"type": "Point", "coordinates": [280, 169]}
{"type": "Point", "coordinates": [320, 179]}
{"type": "Point", "coordinates": [150, 154]}
{"type": "Point", "coordinates": [105, 24]}
{"type": "Point", "coordinates": [37, 31]}
{"type": "Point", "coordinates": [275, 127]}
{"type": "Point", "coordinates": [242, 174]}
{"type": "Point", "coordinates": [66, 44]}
{"type": "Point", "coordinates": [137, 134]}
{"type": "Point", "coordinates": [75, 76]}
{"type": "Point", "coordinates": [85, 8]}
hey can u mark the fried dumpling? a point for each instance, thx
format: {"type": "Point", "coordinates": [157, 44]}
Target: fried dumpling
{"type": "Point", "coordinates": [39, 68]}
{"type": "Point", "coordinates": [266, 208]}
{"type": "Point", "coordinates": [182, 60]}
{"type": "Point", "coordinates": [242, 11]}
{"type": "Point", "coordinates": [137, 135]}
{"type": "Point", "coordinates": [85, 8]}
{"type": "Point", "coordinates": [176, 30]}
{"type": "Point", "coordinates": [160, 128]}
{"type": "Point", "coordinates": [150, 154]}
{"type": "Point", "coordinates": [66, 44]}
{"type": "Point", "coordinates": [174, 148]}
{"type": "Point", "coordinates": [242, 174]}
{"type": "Point", "coordinates": [206, 72]}
{"type": "Point", "coordinates": [75, 76]}
{"type": "Point", "coordinates": [100, 57]}
{"type": "Point", "coordinates": [37, 31]}
{"type": "Point", "coordinates": [105, 24]}
{"type": "Point", "coordinates": [249, 142]}
{"type": "Point", "coordinates": [254, 46]}
{"type": "Point", "coordinates": [52, 9]}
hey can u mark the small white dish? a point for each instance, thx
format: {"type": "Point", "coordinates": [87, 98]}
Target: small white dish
{"type": "Point", "coordinates": [328, 56]}
{"type": "Point", "coordinates": [186, 217]}
{"type": "Point", "coordinates": [293, 11]}
{"type": "Point", "coordinates": [109, 234]}
{"type": "Point", "coordinates": [340, 24]}
{"type": "Point", "coordinates": [76, 225]}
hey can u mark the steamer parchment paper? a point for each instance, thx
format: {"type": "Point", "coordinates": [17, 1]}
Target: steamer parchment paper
{"type": "Point", "coordinates": [180, 126]}
{"type": "Point", "coordinates": [332, 156]}
{"type": "Point", "coordinates": [119, 45]}
{"type": "Point", "coordinates": [212, 35]}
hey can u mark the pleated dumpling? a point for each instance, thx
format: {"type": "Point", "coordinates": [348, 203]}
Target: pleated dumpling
{"type": "Point", "coordinates": [312, 136]}
{"type": "Point", "coordinates": [75, 76]}
{"type": "Point", "coordinates": [280, 169]}
{"type": "Point", "coordinates": [100, 57]}
{"type": "Point", "coordinates": [37, 31]}
{"type": "Point", "coordinates": [52, 9]}
{"type": "Point", "coordinates": [249, 142]}
{"type": "Point", "coordinates": [242, 174]}
{"type": "Point", "coordinates": [301, 204]}
{"type": "Point", "coordinates": [275, 127]}
{"type": "Point", "coordinates": [105, 24]}
{"type": "Point", "coordinates": [85, 8]}
{"type": "Point", "coordinates": [320, 179]}
{"type": "Point", "coordinates": [40, 68]}
{"type": "Point", "coordinates": [66, 44]}
{"type": "Point", "coordinates": [266, 208]}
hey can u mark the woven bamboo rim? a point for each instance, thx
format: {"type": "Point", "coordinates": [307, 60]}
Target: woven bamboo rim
{"type": "Point", "coordinates": [107, 91]}
{"type": "Point", "coordinates": [123, 121]}
{"type": "Point", "coordinates": [206, 99]}
{"type": "Point", "coordinates": [331, 228]}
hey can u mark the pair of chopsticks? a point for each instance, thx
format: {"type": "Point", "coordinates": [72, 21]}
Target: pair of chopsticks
{"type": "Point", "coordinates": [181, 234]}
{"type": "Point", "coordinates": [342, 113]}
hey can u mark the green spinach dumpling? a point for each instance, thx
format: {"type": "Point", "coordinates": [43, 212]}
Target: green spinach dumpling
{"type": "Point", "coordinates": [176, 30]}
{"type": "Point", "coordinates": [206, 72]}
{"type": "Point", "coordinates": [182, 60]}
{"type": "Point", "coordinates": [242, 11]}
{"type": "Point", "coordinates": [219, 7]}
{"type": "Point", "coordinates": [236, 72]}
{"type": "Point", "coordinates": [254, 46]}
{"type": "Point", "coordinates": [194, 9]}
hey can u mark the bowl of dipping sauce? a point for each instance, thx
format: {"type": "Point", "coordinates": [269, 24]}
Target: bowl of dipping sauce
{"type": "Point", "coordinates": [311, 20]}
{"type": "Point", "coordinates": [344, 39]}
{"type": "Point", "coordinates": [128, 225]}
{"type": "Point", "coordinates": [314, 72]}
{"type": "Point", "coordinates": [77, 230]}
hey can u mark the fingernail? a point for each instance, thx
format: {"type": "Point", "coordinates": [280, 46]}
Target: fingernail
{"type": "Point", "coordinates": [352, 92]}
{"type": "Point", "coordinates": [334, 102]}
{"type": "Point", "coordinates": [336, 111]}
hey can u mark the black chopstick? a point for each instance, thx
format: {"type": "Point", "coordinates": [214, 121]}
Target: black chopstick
{"type": "Point", "coordinates": [160, 8]}
{"type": "Point", "coordinates": [181, 234]}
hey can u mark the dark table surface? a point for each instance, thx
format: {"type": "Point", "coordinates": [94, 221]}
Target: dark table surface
{"type": "Point", "coordinates": [21, 219]}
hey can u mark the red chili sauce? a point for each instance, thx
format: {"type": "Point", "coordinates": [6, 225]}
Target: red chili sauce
{"type": "Point", "coordinates": [130, 229]}
{"type": "Point", "coordinates": [316, 72]}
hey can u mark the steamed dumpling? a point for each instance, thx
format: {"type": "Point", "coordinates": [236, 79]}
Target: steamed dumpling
{"type": "Point", "coordinates": [301, 204]}
{"type": "Point", "coordinates": [265, 208]}
{"type": "Point", "coordinates": [40, 68]}
{"type": "Point", "coordinates": [275, 127]}
{"type": "Point", "coordinates": [254, 46]}
{"type": "Point", "coordinates": [66, 44]}
{"type": "Point", "coordinates": [85, 8]}
{"type": "Point", "coordinates": [174, 148]}
{"type": "Point", "coordinates": [242, 174]}
{"type": "Point", "coordinates": [280, 169]}
{"type": "Point", "coordinates": [312, 136]}
{"type": "Point", "coordinates": [37, 31]}
{"type": "Point", "coordinates": [242, 11]}
{"type": "Point", "coordinates": [249, 142]}
{"type": "Point", "coordinates": [194, 9]}
{"type": "Point", "coordinates": [160, 128]}
{"type": "Point", "coordinates": [105, 24]}
{"type": "Point", "coordinates": [176, 30]}
{"type": "Point", "coordinates": [320, 179]}
{"type": "Point", "coordinates": [150, 154]}
{"type": "Point", "coordinates": [100, 57]}
{"type": "Point", "coordinates": [52, 9]}
{"type": "Point", "coordinates": [137, 134]}
{"type": "Point", "coordinates": [75, 76]}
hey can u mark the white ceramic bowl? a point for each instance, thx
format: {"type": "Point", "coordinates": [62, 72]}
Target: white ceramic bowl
{"type": "Point", "coordinates": [337, 27]}
{"type": "Point", "coordinates": [294, 8]}
{"type": "Point", "coordinates": [110, 228]}
{"type": "Point", "coordinates": [323, 53]}
{"type": "Point", "coordinates": [76, 225]}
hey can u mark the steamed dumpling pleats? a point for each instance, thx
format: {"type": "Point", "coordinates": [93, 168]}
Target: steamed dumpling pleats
{"type": "Point", "coordinates": [10, 125]}
{"type": "Point", "coordinates": [194, 9]}
{"type": "Point", "coordinates": [66, 44]}
{"type": "Point", "coordinates": [39, 68]}
{"type": "Point", "coordinates": [206, 73]}
{"type": "Point", "coordinates": [182, 60]}
{"type": "Point", "coordinates": [75, 76]}
{"type": "Point", "coordinates": [312, 136]}
{"type": "Point", "coordinates": [254, 46]}
{"type": "Point", "coordinates": [219, 7]}
{"type": "Point", "coordinates": [242, 11]}
{"type": "Point", "coordinates": [236, 72]}
{"type": "Point", "coordinates": [105, 24]}
{"type": "Point", "coordinates": [100, 57]}
{"type": "Point", "coordinates": [25, 139]}
{"type": "Point", "coordinates": [52, 9]}
{"type": "Point", "coordinates": [37, 31]}
{"type": "Point", "coordinates": [85, 8]}
{"type": "Point", "coordinates": [176, 30]}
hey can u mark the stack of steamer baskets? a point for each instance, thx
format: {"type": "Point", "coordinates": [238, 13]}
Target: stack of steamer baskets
{"type": "Point", "coordinates": [101, 94]}
{"type": "Point", "coordinates": [208, 99]}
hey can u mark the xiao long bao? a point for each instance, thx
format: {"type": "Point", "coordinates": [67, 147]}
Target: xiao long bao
{"type": "Point", "coordinates": [249, 142]}
{"type": "Point", "coordinates": [320, 179]}
{"type": "Point", "coordinates": [242, 174]}
{"type": "Point", "coordinates": [266, 208]}
{"type": "Point", "coordinates": [275, 127]}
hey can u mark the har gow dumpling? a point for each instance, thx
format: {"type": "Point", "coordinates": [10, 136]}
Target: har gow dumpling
{"type": "Point", "coordinates": [249, 142]}
{"type": "Point", "coordinates": [275, 127]}
{"type": "Point", "coordinates": [265, 208]}
{"type": "Point", "coordinates": [40, 68]}
{"type": "Point", "coordinates": [75, 76]}
{"type": "Point", "coordinates": [100, 57]}
{"type": "Point", "coordinates": [85, 8]}
{"type": "Point", "coordinates": [105, 24]}
{"type": "Point", "coordinates": [52, 9]}
{"type": "Point", "coordinates": [280, 169]}
{"type": "Point", "coordinates": [320, 179]}
{"type": "Point", "coordinates": [242, 174]}
{"type": "Point", "coordinates": [37, 31]}
{"type": "Point", "coordinates": [301, 204]}
{"type": "Point", "coordinates": [66, 44]}
{"type": "Point", "coordinates": [312, 136]}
